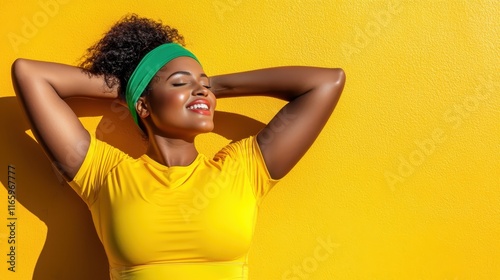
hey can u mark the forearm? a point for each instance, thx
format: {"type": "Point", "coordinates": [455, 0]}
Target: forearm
{"type": "Point", "coordinates": [65, 80]}
{"type": "Point", "coordinates": [286, 83]}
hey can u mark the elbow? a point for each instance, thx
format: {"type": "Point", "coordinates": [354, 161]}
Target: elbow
{"type": "Point", "coordinates": [337, 79]}
{"type": "Point", "coordinates": [17, 64]}
{"type": "Point", "coordinates": [18, 68]}
{"type": "Point", "coordinates": [14, 68]}
{"type": "Point", "coordinates": [333, 87]}
{"type": "Point", "coordinates": [23, 76]}
{"type": "Point", "coordinates": [333, 82]}
{"type": "Point", "coordinates": [23, 72]}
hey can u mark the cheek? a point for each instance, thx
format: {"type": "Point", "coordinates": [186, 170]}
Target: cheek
{"type": "Point", "coordinates": [213, 100]}
{"type": "Point", "coordinates": [175, 101]}
{"type": "Point", "coordinates": [169, 103]}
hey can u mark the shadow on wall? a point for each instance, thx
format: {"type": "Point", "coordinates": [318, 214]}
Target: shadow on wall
{"type": "Point", "coordinates": [72, 249]}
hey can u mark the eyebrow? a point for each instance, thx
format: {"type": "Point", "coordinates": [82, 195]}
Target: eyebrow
{"type": "Point", "coordinates": [186, 73]}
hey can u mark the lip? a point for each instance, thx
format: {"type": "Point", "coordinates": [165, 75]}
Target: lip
{"type": "Point", "coordinates": [199, 101]}
{"type": "Point", "coordinates": [200, 111]}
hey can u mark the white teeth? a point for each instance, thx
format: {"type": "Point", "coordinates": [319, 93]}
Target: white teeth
{"type": "Point", "coordinates": [199, 106]}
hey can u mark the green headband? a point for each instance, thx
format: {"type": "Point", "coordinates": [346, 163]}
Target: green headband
{"type": "Point", "coordinates": [147, 69]}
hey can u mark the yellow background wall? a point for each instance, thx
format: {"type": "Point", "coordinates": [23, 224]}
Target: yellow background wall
{"type": "Point", "coordinates": [403, 183]}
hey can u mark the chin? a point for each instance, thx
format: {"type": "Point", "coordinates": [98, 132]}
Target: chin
{"type": "Point", "coordinates": [205, 128]}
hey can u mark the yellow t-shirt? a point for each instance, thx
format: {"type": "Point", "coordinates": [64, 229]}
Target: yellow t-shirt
{"type": "Point", "coordinates": [179, 222]}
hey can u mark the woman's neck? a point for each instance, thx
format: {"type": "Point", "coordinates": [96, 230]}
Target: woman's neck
{"type": "Point", "coordinates": [171, 152]}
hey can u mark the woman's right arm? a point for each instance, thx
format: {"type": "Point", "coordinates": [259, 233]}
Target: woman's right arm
{"type": "Point", "coordinates": [41, 88]}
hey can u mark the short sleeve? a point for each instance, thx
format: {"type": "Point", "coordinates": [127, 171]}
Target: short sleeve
{"type": "Point", "coordinates": [100, 159]}
{"type": "Point", "coordinates": [248, 155]}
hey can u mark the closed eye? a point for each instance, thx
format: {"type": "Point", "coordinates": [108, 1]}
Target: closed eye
{"type": "Point", "coordinates": [183, 84]}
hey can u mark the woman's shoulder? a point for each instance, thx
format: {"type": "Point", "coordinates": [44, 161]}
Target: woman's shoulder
{"type": "Point", "coordinates": [241, 148]}
{"type": "Point", "coordinates": [106, 155]}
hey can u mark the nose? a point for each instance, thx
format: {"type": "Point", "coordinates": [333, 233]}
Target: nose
{"type": "Point", "coordinates": [200, 90]}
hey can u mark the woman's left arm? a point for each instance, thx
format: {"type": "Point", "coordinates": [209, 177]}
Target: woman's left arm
{"type": "Point", "coordinates": [312, 94]}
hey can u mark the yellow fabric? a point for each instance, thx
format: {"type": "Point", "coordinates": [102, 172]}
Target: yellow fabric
{"type": "Point", "coordinates": [180, 222]}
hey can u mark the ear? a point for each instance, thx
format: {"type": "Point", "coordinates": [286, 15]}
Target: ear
{"type": "Point", "coordinates": [142, 107]}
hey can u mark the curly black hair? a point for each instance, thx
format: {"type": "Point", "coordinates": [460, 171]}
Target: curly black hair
{"type": "Point", "coordinates": [121, 49]}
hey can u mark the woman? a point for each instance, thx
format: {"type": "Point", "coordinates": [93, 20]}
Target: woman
{"type": "Point", "coordinates": [171, 213]}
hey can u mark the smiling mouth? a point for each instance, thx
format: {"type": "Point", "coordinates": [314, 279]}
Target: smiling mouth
{"type": "Point", "coordinates": [200, 108]}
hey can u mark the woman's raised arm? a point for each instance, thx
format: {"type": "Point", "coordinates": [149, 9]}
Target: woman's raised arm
{"type": "Point", "coordinates": [41, 88]}
{"type": "Point", "coordinates": [312, 94]}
